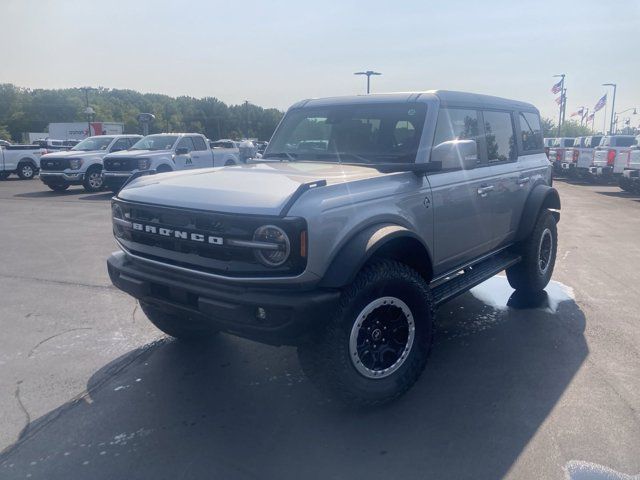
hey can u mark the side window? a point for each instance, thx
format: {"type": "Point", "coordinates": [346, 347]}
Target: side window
{"type": "Point", "coordinates": [186, 142]}
{"type": "Point", "coordinates": [499, 135]}
{"type": "Point", "coordinates": [199, 144]}
{"type": "Point", "coordinates": [530, 131]}
{"type": "Point", "coordinates": [456, 124]}
{"type": "Point", "coordinates": [121, 144]}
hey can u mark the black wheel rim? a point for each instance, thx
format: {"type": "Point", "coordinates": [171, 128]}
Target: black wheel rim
{"type": "Point", "coordinates": [545, 250]}
{"type": "Point", "coordinates": [382, 337]}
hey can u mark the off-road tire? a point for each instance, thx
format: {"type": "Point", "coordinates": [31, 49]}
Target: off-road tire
{"type": "Point", "coordinates": [529, 275]}
{"type": "Point", "coordinates": [57, 187]}
{"type": "Point", "coordinates": [326, 359]}
{"type": "Point", "coordinates": [26, 170]}
{"type": "Point", "coordinates": [178, 326]}
{"type": "Point", "coordinates": [163, 169]}
{"type": "Point", "coordinates": [89, 182]}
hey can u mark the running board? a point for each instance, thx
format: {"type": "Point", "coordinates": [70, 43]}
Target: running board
{"type": "Point", "coordinates": [456, 284]}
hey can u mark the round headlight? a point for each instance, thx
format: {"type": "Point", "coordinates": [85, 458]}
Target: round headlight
{"type": "Point", "coordinates": [277, 248]}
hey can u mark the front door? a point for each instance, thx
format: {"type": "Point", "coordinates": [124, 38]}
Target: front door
{"type": "Point", "coordinates": [184, 161]}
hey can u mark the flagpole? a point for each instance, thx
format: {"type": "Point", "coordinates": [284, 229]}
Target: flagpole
{"type": "Point", "coordinates": [604, 125]}
{"type": "Point", "coordinates": [561, 101]}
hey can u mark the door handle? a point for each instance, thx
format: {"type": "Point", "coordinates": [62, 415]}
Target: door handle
{"type": "Point", "coordinates": [523, 180]}
{"type": "Point", "coordinates": [484, 190]}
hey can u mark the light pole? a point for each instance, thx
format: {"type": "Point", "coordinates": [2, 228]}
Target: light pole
{"type": "Point", "coordinates": [88, 110]}
{"type": "Point", "coordinates": [562, 96]}
{"type": "Point", "coordinates": [613, 104]}
{"type": "Point", "coordinates": [368, 73]}
{"type": "Point", "coordinates": [635, 112]}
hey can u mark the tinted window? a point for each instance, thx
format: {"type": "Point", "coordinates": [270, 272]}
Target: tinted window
{"type": "Point", "coordinates": [605, 142]}
{"type": "Point", "coordinates": [456, 124]}
{"type": "Point", "coordinates": [499, 135]}
{"type": "Point", "coordinates": [591, 142]}
{"type": "Point", "coordinates": [186, 142]}
{"type": "Point", "coordinates": [371, 133]}
{"type": "Point", "coordinates": [530, 131]}
{"type": "Point", "coordinates": [121, 144]}
{"type": "Point", "coordinates": [568, 142]}
{"type": "Point", "coordinates": [624, 141]}
{"type": "Point", "coordinates": [199, 144]}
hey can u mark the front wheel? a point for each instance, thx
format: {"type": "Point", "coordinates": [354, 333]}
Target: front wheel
{"type": "Point", "coordinates": [376, 345]}
{"type": "Point", "coordinates": [538, 252]}
{"type": "Point", "coordinates": [93, 180]}
{"type": "Point", "coordinates": [181, 327]}
{"type": "Point", "coordinates": [59, 187]}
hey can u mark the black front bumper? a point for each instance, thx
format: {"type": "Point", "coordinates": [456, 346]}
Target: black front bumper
{"type": "Point", "coordinates": [276, 315]}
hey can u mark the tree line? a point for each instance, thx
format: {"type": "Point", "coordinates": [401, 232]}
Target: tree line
{"type": "Point", "coordinates": [31, 110]}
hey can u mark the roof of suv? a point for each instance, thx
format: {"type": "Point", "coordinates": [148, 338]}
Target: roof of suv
{"type": "Point", "coordinates": [446, 98]}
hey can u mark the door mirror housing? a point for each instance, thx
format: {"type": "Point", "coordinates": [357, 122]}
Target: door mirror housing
{"type": "Point", "coordinates": [456, 154]}
{"type": "Point", "coordinates": [182, 151]}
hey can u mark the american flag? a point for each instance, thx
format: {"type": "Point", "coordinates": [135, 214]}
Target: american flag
{"type": "Point", "coordinates": [601, 103]}
{"type": "Point", "coordinates": [559, 100]}
{"type": "Point", "coordinates": [557, 87]}
{"type": "Point", "coordinates": [577, 112]}
{"type": "Point", "coordinates": [590, 117]}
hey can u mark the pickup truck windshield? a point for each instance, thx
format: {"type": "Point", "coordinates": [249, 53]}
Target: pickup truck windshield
{"type": "Point", "coordinates": [91, 144]}
{"type": "Point", "coordinates": [374, 133]}
{"type": "Point", "coordinates": [155, 142]}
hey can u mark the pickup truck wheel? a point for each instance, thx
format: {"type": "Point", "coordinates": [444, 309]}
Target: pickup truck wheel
{"type": "Point", "coordinates": [93, 180]}
{"type": "Point", "coordinates": [180, 327]}
{"type": "Point", "coordinates": [229, 163]}
{"type": "Point", "coordinates": [376, 345]}
{"type": "Point", "coordinates": [26, 171]}
{"type": "Point", "coordinates": [57, 187]}
{"type": "Point", "coordinates": [538, 252]}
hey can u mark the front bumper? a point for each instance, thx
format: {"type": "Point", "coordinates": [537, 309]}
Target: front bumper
{"type": "Point", "coordinates": [115, 179]}
{"type": "Point", "coordinates": [276, 315]}
{"type": "Point", "coordinates": [71, 178]}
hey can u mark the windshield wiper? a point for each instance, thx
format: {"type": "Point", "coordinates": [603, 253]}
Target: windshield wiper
{"type": "Point", "coordinates": [282, 155]}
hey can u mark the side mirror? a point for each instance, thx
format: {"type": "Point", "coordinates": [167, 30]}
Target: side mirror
{"type": "Point", "coordinates": [456, 154]}
{"type": "Point", "coordinates": [182, 151]}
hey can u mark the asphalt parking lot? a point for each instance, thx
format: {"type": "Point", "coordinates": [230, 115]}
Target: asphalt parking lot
{"type": "Point", "coordinates": [89, 388]}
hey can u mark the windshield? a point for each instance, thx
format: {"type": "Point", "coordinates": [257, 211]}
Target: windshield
{"type": "Point", "coordinates": [93, 143]}
{"type": "Point", "coordinates": [384, 133]}
{"type": "Point", "coordinates": [155, 142]}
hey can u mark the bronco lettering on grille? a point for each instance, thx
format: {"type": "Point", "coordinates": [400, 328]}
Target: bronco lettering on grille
{"type": "Point", "coordinates": [180, 234]}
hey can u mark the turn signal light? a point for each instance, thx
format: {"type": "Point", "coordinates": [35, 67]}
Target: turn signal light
{"type": "Point", "coordinates": [611, 157]}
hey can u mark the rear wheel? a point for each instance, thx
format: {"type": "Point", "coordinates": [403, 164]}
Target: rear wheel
{"type": "Point", "coordinates": [163, 169]}
{"type": "Point", "coordinates": [93, 179]}
{"type": "Point", "coordinates": [538, 252]}
{"type": "Point", "coordinates": [26, 170]}
{"type": "Point", "coordinates": [181, 327]}
{"type": "Point", "coordinates": [376, 345]}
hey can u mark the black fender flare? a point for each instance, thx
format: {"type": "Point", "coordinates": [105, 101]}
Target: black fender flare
{"type": "Point", "coordinates": [541, 196]}
{"type": "Point", "coordinates": [355, 253]}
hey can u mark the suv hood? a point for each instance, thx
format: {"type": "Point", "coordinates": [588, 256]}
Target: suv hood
{"type": "Point", "coordinates": [262, 189]}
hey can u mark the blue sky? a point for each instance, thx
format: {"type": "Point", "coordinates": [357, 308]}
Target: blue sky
{"type": "Point", "coordinates": [274, 53]}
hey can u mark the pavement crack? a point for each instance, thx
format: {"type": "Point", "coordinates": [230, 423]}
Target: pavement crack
{"type": "Point", "coordinates": [54, 336]}
{"type": "Point", "coordinates": [59, 282]}
{"type": "Point", "coordinates": [16, 394]}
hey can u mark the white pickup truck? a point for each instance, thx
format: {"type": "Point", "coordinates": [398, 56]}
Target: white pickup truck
{"type": "Point", "coordinates": [630, 179]}
{"type": "Point", "coordinates": [23, 160]}
{"type": "Point", "coordinates": [82, 165]}
{"type": "Point", "coordinates": [607, 159]}
{"type": "Point", "coordinates": [163, 152]}
{"type": "Point", "coordinates": [557, 151]}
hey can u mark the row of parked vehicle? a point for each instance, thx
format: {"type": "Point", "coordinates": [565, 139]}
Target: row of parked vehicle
{"type": "Point", "coordinates": [598, 158]}
{"type": "Point", "coordinates": [109, 160]}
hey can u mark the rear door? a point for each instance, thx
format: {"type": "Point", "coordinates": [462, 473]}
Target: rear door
{"type": "Point", "coordinates": [461, 202]}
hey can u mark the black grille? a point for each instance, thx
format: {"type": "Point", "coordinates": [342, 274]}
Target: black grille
{"type": "Point", "coordinates": [54, 164]}
{"type": "Point", "coordinates": [120, 164]}
{"type": "Point", "coordinates": [225, 258]}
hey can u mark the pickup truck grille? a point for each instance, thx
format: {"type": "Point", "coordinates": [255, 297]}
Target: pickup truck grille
{"type": "Point", "coordinates": [152, 235]}
{"type": "Point", "coordinates": [54, 164]}
{"type": "Point", "coordinates": [120, 164]}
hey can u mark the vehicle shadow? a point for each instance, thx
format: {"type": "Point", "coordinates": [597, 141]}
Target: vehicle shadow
{"type": "Point", "coordinates": [50, 193]}
{"type": "Point", "coordinates": [98, 196]}
{"type": "Point", "coordinates": [620, 194]}
{"type": "Point", "coordinates": [232, 409]}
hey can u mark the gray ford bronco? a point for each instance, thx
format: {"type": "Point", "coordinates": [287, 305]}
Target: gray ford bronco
{"type": "Point", "coordinates": [364, 214]}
